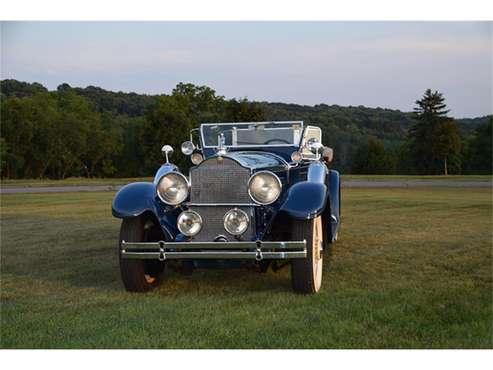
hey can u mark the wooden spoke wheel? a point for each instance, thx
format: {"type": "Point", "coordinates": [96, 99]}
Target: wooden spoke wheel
{"type": "Point", "coordinates": [306, 274]}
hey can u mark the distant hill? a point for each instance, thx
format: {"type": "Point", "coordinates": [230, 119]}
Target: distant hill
{"type": "Point", "coordinates": [465, 123]}
{"type": "Point", "coordinates": [344, 128]}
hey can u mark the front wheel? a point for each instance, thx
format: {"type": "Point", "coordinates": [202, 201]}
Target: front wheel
{"type": "Point", "coordinates": [138, 275]}
{"type": "Point", "coordinates": [306, 274]}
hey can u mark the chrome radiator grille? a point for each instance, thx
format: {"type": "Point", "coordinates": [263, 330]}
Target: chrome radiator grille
{"type": "Point", "coordinates": [215, 182]}
{"type": "Point", "coordinates": [213, 226]}
{"type": "Point", "coordinates": [223, 181]}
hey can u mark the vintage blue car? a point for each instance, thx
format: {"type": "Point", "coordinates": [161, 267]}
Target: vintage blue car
{"type": "Point", "coordinates": [258, 194]}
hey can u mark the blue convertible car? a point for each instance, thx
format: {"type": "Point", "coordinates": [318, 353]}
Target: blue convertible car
{"type": "Point", "coordinates": [258, 194]}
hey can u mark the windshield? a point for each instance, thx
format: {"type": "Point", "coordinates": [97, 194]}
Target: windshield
{"type": "Point", "coordinates": [252, 134]}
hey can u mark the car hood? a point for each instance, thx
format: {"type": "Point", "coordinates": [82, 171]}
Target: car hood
{"type": "Point", "coordinates": [258, 160]}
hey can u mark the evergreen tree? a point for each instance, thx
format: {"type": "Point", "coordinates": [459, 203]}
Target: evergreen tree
{"type": "Point", "coordinates": [434, 138]}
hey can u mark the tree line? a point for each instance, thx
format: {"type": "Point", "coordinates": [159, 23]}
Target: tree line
{"type": "Point", "coordinates": [434, 145]}
{"type": "Point", "coordinates": [64, 133]}
{"type": "Point", "coordinates": [92, 132]}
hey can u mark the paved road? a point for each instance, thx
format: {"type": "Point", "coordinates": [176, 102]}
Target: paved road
{"type": "Point", "coordinates": [416, 184]}
{"type": "Point", "coordinates": [59, 189]}
{"type": "Point", "coordinates": [345, 184]}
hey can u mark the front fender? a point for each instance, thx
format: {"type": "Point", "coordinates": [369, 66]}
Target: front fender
{"type": "Point", "coordinates": [307, 199]}
{"type": "Point", "coordinates": [134, 199]}
{"type": "Point", "coordinates": [138, 198]}
{"type": "Point", "coordinates": [163, 170]}
{"type": "Point", "coordinates": [335, 193]}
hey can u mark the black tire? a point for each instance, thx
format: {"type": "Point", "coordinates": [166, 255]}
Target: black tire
{"type": "Point", "coordinates": [306, 274]}
{"type": "Point", "coordinates": [138, 275]}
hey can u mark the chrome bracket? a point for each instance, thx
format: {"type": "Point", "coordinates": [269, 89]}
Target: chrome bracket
{"type": "Point", "coordinates": [162, 254]}
{"type": "Point", "coordinates": [258, 251]}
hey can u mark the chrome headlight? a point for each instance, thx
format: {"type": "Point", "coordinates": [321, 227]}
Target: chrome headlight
{"type": "Point", "coordinates": [196, 158]}
{"type": "Point", "coordinates": [189, 223]}
{"type": "Point", "coordinates": [172, 188]}
{"type": "Point", "coordinates": [296, 157]}
{"type": "Point", "coordinates": [187, 147]}
{"type": "Point", "coordinates": [264, 187]}
{"type": "Point", "coordinates": [236, 221]}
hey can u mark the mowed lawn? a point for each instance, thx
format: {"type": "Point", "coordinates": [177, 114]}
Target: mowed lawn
{"type": "Point", "coordinates": [412, 269]}
{"type": "Point", "coordinates": [82, 181]}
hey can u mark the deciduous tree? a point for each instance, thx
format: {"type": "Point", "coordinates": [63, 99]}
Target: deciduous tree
{"type": "Point", "coordinates": [372, 158]}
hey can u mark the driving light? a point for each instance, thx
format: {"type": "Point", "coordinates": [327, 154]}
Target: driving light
{"type": "Point", "coordinates": [236, 221]}
{"type": "Point", "coordinates": [187, 147]}
{"type": "Point", "coordinates": [264, 187]}
{"type": "Point", "coordinates": [296, 157]}
{"type": "Point", "coordinates": [196, 158]}
{"type": "Point", "coordinates": [172, 188]}
{"type": "Point", "coordinates": [189, 223]}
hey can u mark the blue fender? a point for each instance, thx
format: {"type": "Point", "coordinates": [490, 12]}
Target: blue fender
{"type": "Point", "coordinates": [307, 199]}
{"type": "Point", "coordinates": [138, 198]}
{"type": "Point", "coordinates": [134, 199]}
{"type": "Point", "coordinates": [163, 170]}
{"type": "Point", "coordinates": [334, 192]}
{"type": "Point", "coordinates": [333, 218]}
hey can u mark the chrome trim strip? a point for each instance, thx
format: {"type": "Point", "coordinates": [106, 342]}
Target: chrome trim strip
{"type": "Point", "coordinates": [222, 204]}
{"type": "Point", "coordinates": [258, 250]}
{"type": "Point", "coordinates": [213, 255]}
{"type": "Point", "coordinates": [287, 245]}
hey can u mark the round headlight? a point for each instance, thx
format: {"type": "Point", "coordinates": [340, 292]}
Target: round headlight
{"type": "Point", "coordinates": [264, 187]}
{"type": "Point", "coordinates": [196, 158]}
{"type": "Point", "coordinates": [189, 223]}
{"type": "Point", "coordinates": [187, 147]}
{"type": "Point", "coordinates": [172, 188]}
{"type": "Point", "coordinates": [296, 157]}
{"type": "Point", "coordinates": [236, 221]}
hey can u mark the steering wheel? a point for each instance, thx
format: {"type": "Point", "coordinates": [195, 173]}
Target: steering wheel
{"type": "Point", "coordinates": [282, 141]}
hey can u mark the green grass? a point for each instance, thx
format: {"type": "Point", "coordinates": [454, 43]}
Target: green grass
{"type": "Point", "coordinates": [416, 177]}
{"type": "Point", "coordinates": [79, 181]}
{"type": "Point", "coordinates": [412, 269]}
{"type": "Point", "coordinates": [71, 181]}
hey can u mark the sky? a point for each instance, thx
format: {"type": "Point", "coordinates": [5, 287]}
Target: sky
{"type": "Point", "coordinates": [375, 64]}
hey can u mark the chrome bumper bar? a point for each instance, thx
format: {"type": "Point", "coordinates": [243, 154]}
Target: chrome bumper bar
{"type": "Point", "coordinates": [258, 250]}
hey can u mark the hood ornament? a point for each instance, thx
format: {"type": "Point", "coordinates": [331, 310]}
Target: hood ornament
{"type": "Point", "coordinates": [221, 147]}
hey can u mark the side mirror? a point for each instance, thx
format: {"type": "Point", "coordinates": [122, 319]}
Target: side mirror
{"type": "Point", "coordinates": [167, 151]}
{"type": "Point", "coordinates": [314, 146]}
{"type": "Point", "coordinates": [328, 154]}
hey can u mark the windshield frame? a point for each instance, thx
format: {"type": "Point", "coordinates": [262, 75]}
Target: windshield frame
{"type": "Point", "coordinates": [202, 125]}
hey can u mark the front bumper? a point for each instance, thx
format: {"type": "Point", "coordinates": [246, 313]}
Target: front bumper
{"type": "Point", "coordinates": [254, 250]}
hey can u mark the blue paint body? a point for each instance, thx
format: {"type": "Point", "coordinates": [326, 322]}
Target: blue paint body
{"type": "Point", "coordinates": [310, 189]}
{"type": "Point", "coordinates": [135, 199]}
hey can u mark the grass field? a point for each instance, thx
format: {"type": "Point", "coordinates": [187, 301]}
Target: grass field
{"type": "Point", "coordinates": [72, 181]}
{"type": "Point", "coordinates": [406, 178]}
{"type": "Point", "coordinates": [79, 181]}
{"type": "Point", "coordinates": [412, 269]}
